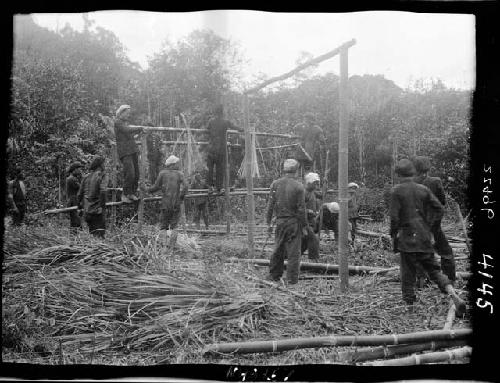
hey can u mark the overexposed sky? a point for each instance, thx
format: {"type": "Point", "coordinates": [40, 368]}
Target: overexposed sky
{"type": "Point", "coordinates": [402, 46]}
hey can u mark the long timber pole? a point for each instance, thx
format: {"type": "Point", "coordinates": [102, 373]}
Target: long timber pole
{"type": "Point", "coordinates": [140, 213]}
{"type": "Point", "coordinates": [343, 173]}
{"type": "Point", "coordinates": [249, 177]}
{"type": "Point", "coordinates": [227, 207]}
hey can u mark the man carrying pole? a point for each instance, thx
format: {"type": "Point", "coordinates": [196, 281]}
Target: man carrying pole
{"type": "Point", "coordinates": [174, 188]}
{"type": "Point", "coordinates": [413, 211]}
{"type": "Point", "coordinates": [287, 201]}
{"type": "Point", "coordinates": [128, 153]}
{"type": "Point", "coordinates": [72, 187]}
{"type": "Point", "coordinates": [92, 197]}
{"type": "Point", "coordinates": [441, 245]}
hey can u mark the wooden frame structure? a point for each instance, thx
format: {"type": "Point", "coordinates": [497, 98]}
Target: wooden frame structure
{"type": "Point", "coordinates": [343, 153]}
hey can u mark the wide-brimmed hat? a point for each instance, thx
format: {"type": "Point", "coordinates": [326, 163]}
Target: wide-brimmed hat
{"type": "Point", "coordinates": [422, 164]}
{"type": "Point", "coordinates": [74, 165]}
{"type": "Point", "coordinates": [405, 168]}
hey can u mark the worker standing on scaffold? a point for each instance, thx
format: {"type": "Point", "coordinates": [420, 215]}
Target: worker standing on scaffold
{"type": "Point", "coordinates": [174, 188]}
{"type": "Point", "coordinates": [286, 199]}
{"type": "Point", "coordinates": [128, 153]}
{"type": "Point", "coordinates": [313, 138]}
{"type": "Point", "coordinates": [216, 151]}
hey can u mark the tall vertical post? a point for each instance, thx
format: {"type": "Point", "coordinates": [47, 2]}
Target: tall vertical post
{"type": "Point", "coordinates": [249, 177]}
{"type": "Point", "coordinates": [343, 172]}
{"type": "Point", "coordinates": [140, 214]}
{"type": "Point", "coordinates": [114, 159]}
{"type": "Point", "coordinates": [226, 186]}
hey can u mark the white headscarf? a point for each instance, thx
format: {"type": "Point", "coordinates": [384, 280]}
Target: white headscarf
{"type": "Point", "coordinates": [171, 160]}
{"type": "Point", "coordinates": [310, 178]}
{"type": "Point", "coordinates": [120, 110]}
{"type": "Point", "coordinates": [333, 207]}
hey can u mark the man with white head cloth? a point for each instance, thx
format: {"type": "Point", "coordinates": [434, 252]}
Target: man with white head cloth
{"type": "Point", "coordinates": [174, 188]}
{"type": "Point", "coordinates": [128, 153]}
{"type": "Point", "coordinates": [286, 200]}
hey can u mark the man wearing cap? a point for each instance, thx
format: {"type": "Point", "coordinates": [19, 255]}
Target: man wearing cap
{"type": "Point", "coordinates": [92, 197]}
{"type": "Point", "coordinates": [287, 201]}
{"type": "Point", "coordinates": [311, 240]}
{"type": "Point", "coordinates": [353, 208]}
{"type": "Point", "coordinates": [16, 196]}
{"type": "Point", "coordinates": [413, 210]}
{"type": "Point", "coordinates": [128, 153]}
{"type": "Point", "coordinates": [216, 148]}
{"type": "Point", "coordinates": [72, 187]}
{"type": "Point", "coordinates": [174, 188]}
{"type": "Point", "coordinates": [441, 245]}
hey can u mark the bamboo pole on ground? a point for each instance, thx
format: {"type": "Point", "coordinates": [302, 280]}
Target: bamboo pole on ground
{"type": "Point", "coordinates": [380, 352]}
{"type": "Point", "coordinates": [336, 341]}
{"type": "Point", "coordinates": [312, 266]}
{"type": "Point", "coordinates": [140, 213]}
{"type": "Point", "coordinates": [462, 223]}
{"type": "Point", "coordinates": [450, 317]}
{"type": "Point", "coordinates": [343, 247]}
{"type": "Point", "coordinates": [431, 357]}
{"type": "Point", "coordinates": [249, 177]}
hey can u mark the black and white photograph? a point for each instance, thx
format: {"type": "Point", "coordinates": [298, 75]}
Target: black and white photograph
{"type": "Point", "coordinates": [243, 188]}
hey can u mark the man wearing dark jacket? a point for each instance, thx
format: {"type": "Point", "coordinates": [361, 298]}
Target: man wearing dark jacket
{"type": "Point", "coordinates": [441, 245]}
{"type": "Point", "coordinates": [287, 201]}
{"type": "Point", "coordinates": [174, 188]}
{"type": "Point", "coordinates": [216, 151]}
{"type": "Point", "coordinates": [16, 195]}
{"type": "Point", "coordinates": [92, 197]}
{"type": "Point", "coordinates": [128, 153]}
{"type": "Point", "coordinates": [72, 187]}
{"type": "Point", "coordinates": [413, 211]}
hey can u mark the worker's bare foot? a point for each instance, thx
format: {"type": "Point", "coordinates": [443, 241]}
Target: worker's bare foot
{"type": "Point", "coordinates": [460, 306]}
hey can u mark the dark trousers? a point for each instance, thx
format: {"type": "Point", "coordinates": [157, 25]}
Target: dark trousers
{"type": "Point", "coordinates": [18, 218]}
{"type": "Point", "coordinates": [130, 173]}
{"type": "Point", "coordinates": [75, 222]}
{"type": "Point", "coordinates": [354, 227]}
{"type": "Point", "coordinates": [287, 244]}
{"type": "Point", "coordinates": [169, 217]}
{"type": "Point", "coordinates": [444, 250]}
{"type": "Point", "coordinates": [428, 263]}
{"type": "Point", "coordinates": [201, 211]}
{"type": "Point", "coordinates": [96, 224]}
{"type": "Point", "coordinates": [217, 160]}
{"type": "Point", "coordinates": [310, 242]}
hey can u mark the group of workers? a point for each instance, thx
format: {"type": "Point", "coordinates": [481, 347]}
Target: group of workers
{"type": "Point", "coordinates": [416, 205]}
{"type": "Point", "coordinates": [416, 209]}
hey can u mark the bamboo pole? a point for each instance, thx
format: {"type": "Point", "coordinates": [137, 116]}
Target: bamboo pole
{"type": "Point", "coordinates": [450, 317]}
{"type": "Point", "coordinates": [249, 177]}
{"type": "Point", "coordinates": [303, 66]}
{"type": "Point", "coordinates": [114, 161]}
{"type": "Point", "coordinates": [230, 131]}
{"type": "Point", "coordinates": [140, 213]}
{"type": "Point", "coordinates": [380, 352]}
{"type": "Point", "coordinates": [343, 247]}
{"type": "Point", "coordinates": [336, 341]}
{"type": "Point", "coordinates": [324, 189]}
{"type": "Point", "coordinates": [431, 357]}
{"type": "Point", "coordinates": [462, 223]}
{"type": "Point", "coordinates": [312, 266]}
